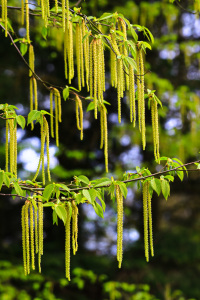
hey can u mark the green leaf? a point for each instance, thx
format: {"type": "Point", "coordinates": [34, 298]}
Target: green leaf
{"type": "Point", "coordinates": [34, 115]}
{"type": "Point", "coordinates": [90, 195]}
{"type": "Point", "coordinates": [55, 217]}
{"type": "Point", "coordinates": [83, 179]}
{"type": "Point", "coordinates": [47, 204]}
{"type": "Point", "coordinates": [165, 188]}
{"type": "Point", "coordinates": [156, 185]}
{"type": "Point", "coordinates": [169, 177]}
{"type": "Point", "coordinates": [134, 34]}
{"type": "Point", "coordinates": [44, 32]}
{"type": "Point", "coordinates": [180, 174]}
{"type": "Point", "coordinates": [63, 186]}
{"type": "Point", "coordinates": [66, 93]}
{"type": "Point", "coordinates": [1, 179]}
{"type": "Point", "coordinates": [131, 61]}
{"type": "Point", "coordinates": [18, 189]}
{"type": "Point", "coordinates": [90, 106]}
{"type": "Point", "coordinates": [21, 121]}
{"type": "Point", "coordinates": [102, 182]}
{"type": "Point", "coordinates": [61, 212]}
{"type": "Point", "coordinates": [123, 189]}
{"type": "Point", "coordinates": [48, 191]}
{"type": "Point", "coordinates": [98, 209]}
{"type": "Point", "coordinates": [6, 180]}
{"type": "Point", "coordinates": [23, 48]}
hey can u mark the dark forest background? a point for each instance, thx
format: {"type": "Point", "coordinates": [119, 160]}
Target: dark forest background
{"type": "Point", "coordinates": [173, 71]}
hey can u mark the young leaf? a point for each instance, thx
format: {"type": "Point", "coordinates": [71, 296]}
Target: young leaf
{"type": "Point", "coordinates": [165, 188]}
{"type": "Point", "coordinates": [66, 93]}
{"type": "Point", "coordinates": [6, 179]}
{"type": "Point", "coordinates": [123, 189]}
{"type": "Point", "coordinates": [55, 217]}
{"type": "Point", "coordinates": [18, 189]}
{"type": "Point", "coordinates": [156, 185]}
{"type": "Point", "coordinates": [83, 179]}
{"type": "Point", "coordinates": [21, 121]}
{"type": "Point", "coordinates": [98, 209]}
{"type": "Point", "coordinates": [102, 182]}
{"type": "Point", "coordinates": [63, 186]}
{"type": "Point", "coordinates": [61, 212]}
{"type": "Point", "coordinates": [23, 48]}
{"type": "Point", "coordinates": [1, 178]}
{"type": "Point", "coordinates": [33, 115]}
{"type": "Point", "coordinates": [48, 191]}
{"type": "Point", "coordinates": [86, 194]}
{"type": "Point", "coordinates": [180, 174]}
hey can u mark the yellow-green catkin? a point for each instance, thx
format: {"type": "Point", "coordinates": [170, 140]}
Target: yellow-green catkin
{"type": "Point", "coordinates": [101, 70]}
{"type": "Point", "coordinates": [79, 56]}
{"type": "Point", "coordinates": [15, 150]}
{"type": "Point", "coordinates": [27, 21]}
{"type": "Point", "coordinates": [24, 238]}
{"type": "Point", "coordinates": [36, 230]}
{"type": "Point", "coordinates": [132, 95]}
{"type": "Point", "coordinates": [95, 82]}
{"type": "Point", "coordinates": [74, 227]}
{"type": "Point", "coordinates": [43, 136]}
{"type": "Point", "coordinates": [56, 6]}
{"type": "Point", "coordinates": [26, 221]}
{"type": "Point", "coordinates": [22, 12]}
{"type": "Point", "coordinates": [33, 82]}
{"type": "Point", "coordinates": [79, 115]}
{"type": "Point", "coordinates": [13, 147]}
{"type": "Point", "coordinates": [67, 13]}
{"type": "Point", "coordinates": [63, 14]}
{"type": "Point", "coordinates": [150, 221]}
{"type": "Point", "coordinates": [58, 112]}
{"type": "Point", "coordinates": [86, 52]}
{"type": "Point", "coordinates": [4, 15]}
{"type": "Point", "coordinates": [40, 233]}
{"type": "Point", "coordinates": [141, 101]}
{"type": "Point", "coordinates": [51, 112]}
{"type": "Point", "coordinates": [155, 128]}
{"type": "Point", "coordinates": [118, 75]}
{"type": "Point", "coordinates": [7, 145]}
{"type": "Point", "coordinates": [119, 198]}
{"type": "Point", "coordinates": [46, 130]}
{"type": "Point", "coordinates": [91, 71]}
{"type": "Point", "coordinates": [32, 236]}
{"type": "Point", "coordinates": [70, 52]}
{"type": "Point", "coordinates": [105, 138]}
{"type": "Point", "coordinates": [145, 217]}
{"type": "Point", "coordinates": [67, 243]}
{"type": "Point", "coordinates": [123, 50]}
{"type": "Point", "coordinates": [45, 11]}
{"type": "Point", "coordinates": [104, 134]}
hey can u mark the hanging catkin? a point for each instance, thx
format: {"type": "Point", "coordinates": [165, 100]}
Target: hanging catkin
{"type": "Point", "coordinates": [63, 14]}
{"type": "Point", "coordinates": [7, 145]}
{"type": "Point", "coordinates": [74, 227]}
{"type": "Point", "coordinates": [4, 15]}
{"type": "Point", "coordinates": [141, 101]}
{"type": "Point", "coordinates": [32, 236]}
{"type": "Point", "coordinates": [27, 21]}
{"type": "Point", "coordinates": [67, 243]}
{"type": "Point", "coordinates": [119, 198]}
{"type": "Point", "coordinates": [40, 233]}
{"type": "Point", "coordinates": [26, 222]}
{"type": "Point", "coordinates": [46, 130]}
{"type": "Point", "coordinates": [79, 115]}
{"type": "Point", "coordinates": [86, 53]}
{"type": "Point", "coordinates": [104, 134]}
{"type": "Point", "coordinates": [33, 82]}
{"type": "Point", "coordinates": [24, 238]}
{"type": "Point", "coordinates": [148, 231]}
{"type": "Point", "coordinates": [132, 95]}
{"type": "Point", "coordinates": [79, 57]}
{"type": "Point", "coordinates": [155, 128]}
{"type": "Point", "coordinates": [123, 49]}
